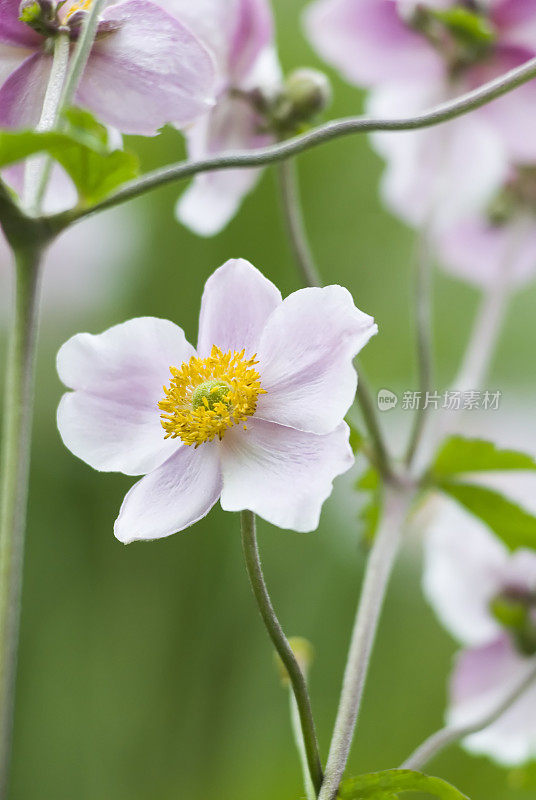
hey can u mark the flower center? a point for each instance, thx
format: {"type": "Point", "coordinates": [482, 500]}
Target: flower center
{"type": "Point", "coordinates": [206, 396]}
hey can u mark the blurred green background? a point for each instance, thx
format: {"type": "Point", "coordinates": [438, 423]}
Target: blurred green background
{"type": "Point", "coordinates": [144, 670]}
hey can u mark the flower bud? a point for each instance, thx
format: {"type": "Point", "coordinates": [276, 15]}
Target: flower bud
{"type": "Point", "coordinates": [304, 95]}
{"type": "Point", "coordinates": [303, 651]}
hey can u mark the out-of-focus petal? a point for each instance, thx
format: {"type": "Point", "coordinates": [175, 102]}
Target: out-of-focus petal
{"type": "Point", "coordinates": [305, 358]}
{"type": "Point", "coordinates": [213, 198]}
{"type": "Point", "coordinates": [465, 568]}
{"type": "Point", "coordinates": [516, 19]}
{"type": "Point", "coordinates": [22, 94]}
{"type": "Point", "coordinates": [236, 303]}
{"type": "Point", "coordinates": [489, 255]}
{"type": "Point", "coordinates": [440, 175]}
{"type": "Point", "coordinates": [282, 474]}
{"type": "Point", "coordinates": [177, 494]}
{"type": "Point", "coordinates": [482, 679]}
{"type": "Point", "coordinates": [149, 71]}
{"type": "Point", "coordinates": [369, 42]}
{"type": "Point", "coordinates": [511, 115]}
{"type": "Point", "coordinates": [112, 420]}
{"type": "Point", "coordinates": [12, 30]}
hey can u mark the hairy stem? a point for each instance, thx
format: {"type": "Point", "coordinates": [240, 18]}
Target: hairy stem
{"type": "Point", "coordinates": [37, 169]}
{"type": "Point", "coordinates": [283, 648]}
{"type": "Point", "coordinates": [82, 52]}
{"type": "Point", "coordinates": [295, 225]}
{"type": "Point", "coordinates": [325, 133]}
{"type": "Point", "coordinates": [15, 460]}
{"type": "Point", "coordinates": [300, 746]}
{"type": "Point", "coordinates": [425, 354]}
{"type": "Point", "coordinates": [378, 571]}
{"type": "Point", "coordinates": [432, 746]}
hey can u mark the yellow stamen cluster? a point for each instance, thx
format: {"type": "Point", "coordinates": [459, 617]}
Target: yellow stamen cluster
{"type": "Point", "coordinates": [206, 396]}
{"type": "Point", "coordinates": [79, 5]}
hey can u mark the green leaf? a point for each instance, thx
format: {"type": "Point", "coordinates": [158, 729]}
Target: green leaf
{"type": "Point", "coordinates": [515, 526]}
{"type": "Point", "coordinates": [458, 455]}
{"type": "Point", "coordinates": [82, 153]}
{"type": "Point", "coordinates": [379, 785]}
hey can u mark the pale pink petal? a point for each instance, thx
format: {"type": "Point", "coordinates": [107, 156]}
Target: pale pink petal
{"type": "Point", "coordinates": [12, 30]}
{"type": "Point", "coordinates": [282, 474]}
{"type": "Point", "coordinates": [22, 94]}
{"type": "Point", "coordinates": [305, 358]}
{"type": "Point", "coordinates": [516, 19]}
{"type": "Point", "coordinates": [511, 115]}
{"type": "Point", "coordinates": [482, 679]}
{"type": "Point", "coordinates": [465, 568]}
{"type": "Point", "coordinates": [488, 255]}
{"type": "Point", "coordinates": [173, 497]}
{"type": "Point", "coordinates": [148, 72]}
{"type": "Point", "coordinates": [213, 198]}
{"type": "Point", "coordinates": [253, 32]}
{"type": "Point", "coordinates": [112, 420]}
{"type": "Point", "coordinates": [11, 57]}
{"type": "Point", "coordinates": [368, 41]}
{"type": "Point", "coordinates": [439, 175]}
{"type": "Point", "coordinates": [236, 303]}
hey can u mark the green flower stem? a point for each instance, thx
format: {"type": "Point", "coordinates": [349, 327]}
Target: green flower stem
{"type": "Point", "coordinates": [37, 169]}
{"type": "Point", "coordinates": [325, 133]}
{"type": "Point", "coordinates": [292, 213]}
{"type": "Point", "coordinates": [432, 746]}
{"type": "Point", "coordinates": [382, 557]}
{"type": "Point", "coordinates": [425, 350]}
{"type": "Point", "coordinates": [280, 642]}
{"type": "Point", "coordinates": [15, 460]}
{"type": "Point", "coordinates": [300, 746]}
{"type": "Point", "coordinates": [81, 52]}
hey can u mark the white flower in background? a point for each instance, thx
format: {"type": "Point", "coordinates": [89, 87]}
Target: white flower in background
{"type": "Point", "coordinates": [254, 417]}
{"type": "Point", "coordinates": [87, 267]}
{"type": "Point", "coordinates": [486, 597]}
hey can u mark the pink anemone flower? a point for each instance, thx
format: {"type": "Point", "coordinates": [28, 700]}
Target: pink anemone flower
{"type": "Point", "coordinates": [254, 417]}
{"type": "Point", "coordinates": [145, 68]}
{"type": "Point", "coordinates": [447, 46]}
{"type": "Point", "coordinates": [486, 597]}
{"type": "Point", "coordinates": [240, 34]}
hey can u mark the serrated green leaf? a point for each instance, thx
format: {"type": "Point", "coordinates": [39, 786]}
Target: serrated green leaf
{"type": "Point", "coordinates": [94, 170]}
{"type": "Point", "coordinates": [511, 523]}
{"type": "Point", "coordinates": [378, 785]}
{"type": "Point", "coordinates": [460, 455]}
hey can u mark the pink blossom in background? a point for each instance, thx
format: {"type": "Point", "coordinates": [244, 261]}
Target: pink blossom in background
{"type": "Point", "coordinates": [240, 34]}
{"type": "Point", "coordinates": [254, 418]}
{"type": "Point", "coordinates": [466, 569]}
{"type": "Point", "coordinates": [87, 267]}
{"type": "Point", "coordinates": [146, 68]}
{"type": "Point", "coordinates": [375, 43]}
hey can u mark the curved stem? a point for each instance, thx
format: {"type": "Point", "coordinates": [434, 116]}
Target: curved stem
{"type": "Point", "coordinates": [378, 571]}
{"type": "Point", "coordinates": [325, 133]}
{"type": "Point", "coordinates": [15, 460]}
{"type": "Point", "coordinates": [423, 314]}
{"type": "Point", "coordinates": [279, 640]}
{"type": "Point", "coordinates": [295, 224]}
{"type": "Point", "coordinates": [448, 735]}
{"type": "Point", "coordinates": [36, 168]}
{"type": "Point", "coordinates": [300, 746]}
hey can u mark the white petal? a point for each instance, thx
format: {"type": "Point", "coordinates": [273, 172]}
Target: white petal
{"type": "Point", "coordinates": [236, 303]}
{"type": "Point", "coordinates": [305, 358]}
{"type": "Point", "coordinates": [112, 420]}
{"type": "Point", "coordinates": [482, 679]}
{"type": "Point", "coordinates": [173, 497]}
{"type": "Point", "coordinates": [465, 567]}
{"type": "Point", "coordinates": [282, 474]}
